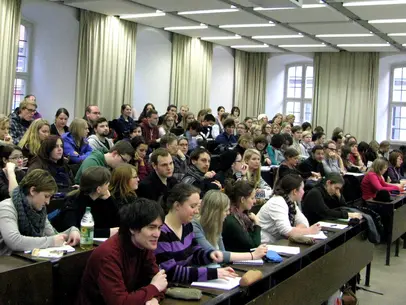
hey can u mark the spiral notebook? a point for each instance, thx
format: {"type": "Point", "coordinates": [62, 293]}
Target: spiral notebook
{"type": "Point", "coordinates": [255, 262]}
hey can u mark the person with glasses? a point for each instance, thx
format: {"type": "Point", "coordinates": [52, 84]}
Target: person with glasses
{"type": "Point", "coordinates": [19, 122]}
{"type": "Point", "coordinates": [331, 162]}
{"type": "Point", "coordinates": [11, 162]}
{"type": "Point", "coordinates": [168, 123]}
{"type": "Point", "coordinates": [230, 167]}
{"type": "Point", "coordinates": [92, 113]}
{"type": "Point", "coordinates": [121, 153]}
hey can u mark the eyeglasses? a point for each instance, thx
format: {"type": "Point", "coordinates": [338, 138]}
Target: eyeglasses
{"type": "Point", "coordinates": [124, 160]}
{"type": "Point", "coordinates": [16, 157]}
{"type": "Point", "coordinates": [97, 113]}
{"type": "Point", "coordinates": [31, 110]}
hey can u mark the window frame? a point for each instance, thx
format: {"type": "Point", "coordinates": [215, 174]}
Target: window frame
{"type": "Point", "coordinates": [303, 101]}
{"type": "Point", "coordinates": [25, 76]}
{"type": "Point", "coordinates": [392, 104]}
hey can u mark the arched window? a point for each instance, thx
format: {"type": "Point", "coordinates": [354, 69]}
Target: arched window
{"type": "Point", "coordinates": [299, 92]}
{"type": "Point", "coordinates": [397, 104]}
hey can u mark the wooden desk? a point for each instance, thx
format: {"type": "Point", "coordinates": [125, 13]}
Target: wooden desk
{"type": "Point", "coordinates": [25, 282]}
{"type": "Point", "coordinates": [310, 277]}
{"type": "Point", "coordinates": [396, 212]}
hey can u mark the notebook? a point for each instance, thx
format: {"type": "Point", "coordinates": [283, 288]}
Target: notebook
{"type": "Point", "coordinates": [320, 235]}
{"type": "Point", "coordinates": [284, 250]}
{"type": "Point", "coordinates": [255, 262]}
{"type": "Point", "coordinates": [222, 284]}
{"type": "Point", "coordinates": [332, 225]}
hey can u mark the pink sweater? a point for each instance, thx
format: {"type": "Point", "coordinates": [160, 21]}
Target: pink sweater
{"type": "Point", "coordinates": [372, 183]}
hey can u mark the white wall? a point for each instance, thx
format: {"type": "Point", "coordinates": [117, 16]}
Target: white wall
{"type": "Point", "coordinates": [54, 55]}
{"type": "Point", "coordinates": [275, 79]}
{"type": "Point", "coordinates": [222, 81]}
{"type": "Point", "coordinates": [382, 112]}
{"type": "Point", "coordinates": [152, 68]}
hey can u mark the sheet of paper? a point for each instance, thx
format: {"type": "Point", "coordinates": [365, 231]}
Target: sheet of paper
{"type": "Point", "coordinates": [320, 235]}
{"type": "Point", "coordinates": [222, 284]}
{"type": "Point", "coordinates": [332, 225]}
{"type": "Point", "coordinates": [66, 248]}
{"type": "Point", "coordinates": [354, 174]}
{"type": "Point", "coordinates": [344, 219]}
{"type": "Point", "coordinates": [265, 168]}
{"type": "Point", "coordinates": [255, 262]}
{"type": "Point", "coordinates": [284, 250]}
{"type": "Point", "coordinates": [100, 239]}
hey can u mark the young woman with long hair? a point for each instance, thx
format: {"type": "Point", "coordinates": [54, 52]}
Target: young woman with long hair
{"type": "Point", "coordinates": [11, 161]}
{"type": "Point", "coordinates": [168, 124]}
{"type": "Point", "coordinates": [38, 131]}
{"type": "Point", "coordinates": [123, 184]}
{"type": "Point", "coordinates": [60, 126]}
{"type": "Point", "coordinates": [139, 160]}
{"type": "Point", "coordinates": [75, 145]}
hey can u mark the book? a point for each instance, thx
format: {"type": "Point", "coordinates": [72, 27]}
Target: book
{"type": "Point", "coordinates": [255, 262]}
{"type": "Point", "coordinates": [221, 284]}
{"type": "Point", "coordinates": [332, 225]}
{"type": "Point", "coordinates": [283, 250]}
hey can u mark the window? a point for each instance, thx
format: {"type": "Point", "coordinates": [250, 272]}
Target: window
{"type": "Point", "coordinates": [22, 70]}
{"type": "Point", "coordinates": [299, 92]}
{"type": "Point", "coordinates": [397, 104]}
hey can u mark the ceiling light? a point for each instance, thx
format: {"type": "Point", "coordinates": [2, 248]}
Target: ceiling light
{"type": "Point", "coordinates": [158, 13]}
{"type": "Point", "coordinates": [302, 45]}
{"type": "Point", "coordinates": [202, 26]}
{"type": "Point", "coordinates": [397, 34]}
{"type": "Point", "coordinates": [343, 35]}
{"type": "Point", "coordinates": [273, 8]}
{"type": "Point", "coordinates": [313, 5]}
{"type": "Point", "coordinates": [277, 36]}
{"type": "Point", "coordinates": [247, 25]}
{"type": "Point", "coordinates": [221, 37]}
{"type": "Point", "coordinates": [250, 46]}
{"type": "Point", "coordinates": [387, 21]}
{"type": "Point", "coordinates": [363, 45]}
{"type": "Point", "coordinates": [373, 3]}
{"type": "Point", "coordinates": [216, 11]}
{"type": "Point", "coordinates": [404, 44]}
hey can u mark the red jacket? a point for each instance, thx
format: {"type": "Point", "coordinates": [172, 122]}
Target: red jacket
{"type": "Point", "coordinates": [119, 275]}
{"type": "Point", "coordinates": [372, 183]}
{"type": "Point", "coordinates": [149, 133]}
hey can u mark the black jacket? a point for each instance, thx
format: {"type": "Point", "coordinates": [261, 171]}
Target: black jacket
{"type": "Point", "coordinates": [153, 188]}
{"type": "Point", "coordinates": [310, 165]}
{"type": "Point", "coordinates": [4, 194]}
{"type": "Point", "coordinates": [319, 205]}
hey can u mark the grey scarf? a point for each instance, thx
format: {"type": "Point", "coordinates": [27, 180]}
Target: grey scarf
{"type": "Point", "coordinates": [30, 221]}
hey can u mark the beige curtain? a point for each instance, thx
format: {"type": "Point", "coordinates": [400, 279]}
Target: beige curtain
{"type": "Point", "coordinates": [106, 65]}
{"type": "Point", "coordinates": [250, 82]}
{"type": "Point", "coordinates": [345, 92]}
{"type": "Point", "coordinates": [191, 72]}
{"type": "Point", "coordinates": [10, 15]}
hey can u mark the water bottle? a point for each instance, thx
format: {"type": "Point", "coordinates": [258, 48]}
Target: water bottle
{"type": "Point", "coordinates": [86, 230]}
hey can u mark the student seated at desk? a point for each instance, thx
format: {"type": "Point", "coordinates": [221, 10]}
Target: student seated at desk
{"type": "Point", "coordinates": [288, 166]}
{"type": "Point", "coordinates": [93, 192]}
{"type": "Point", "coordinates": [395, 171]}
{"type": "Point", "coordinates": [11, 161]}
{"type": "Point", "coordinates": [50, 158]}
{"type": "Point", "coordinates": [325, 200]}
{"type": "Point", "coordinates": [208, 227]}
{"type": "Point", "coordinates": [231, 167]}
{"type": "Point", "coordinates": [123, 185]}
{"type": "Point", "coordinates": [177, 248]}
{"type": "Point", "coordinates": [24, 225]}
{"type": "Point", "coordinates": [123, 269]}
{"type": "Point", "coordinates": [374, 182]}
{"type": "Point", "coordinates": [241, 230]}
{"type": "Point", "coordinates": [280, 217]}
{"type": "Point", "coordinates": [75, 145]}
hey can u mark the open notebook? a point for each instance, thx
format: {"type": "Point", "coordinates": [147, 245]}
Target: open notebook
{"type": "Point", "coordinates": [222, 284]}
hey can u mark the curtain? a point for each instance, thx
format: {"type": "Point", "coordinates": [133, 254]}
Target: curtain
{"type": "Point", "coordinates": [345, 93]}
{"type": "Point", "coordinates": [250, 82]}
{"type": "Point", "coordinates": [106, 64]}
{"type": "Point", "coordinates": [10, 15]}
{"type": "Point", "coordinates": [191, 72]}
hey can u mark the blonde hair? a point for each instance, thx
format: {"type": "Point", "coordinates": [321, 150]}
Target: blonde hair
{"type": "Point", "coordinates": [31, 139]}
{"type": "Point", "coordinates": [214, 204]}
{"type": "Point", "coordinates": [3, 121]}
{"type": "Point", "coordinates": [378, 165]}
{"type": "Point", "coordinates": [77, 128]}
{"type": "Point", "coordinates": [253, 178]}
{"type": "Point", "coordinates": [307, 133]}
{"type": "Point", "coordinates": [26, 102]}
{"type": "Point", "coordinates": [184, 120]}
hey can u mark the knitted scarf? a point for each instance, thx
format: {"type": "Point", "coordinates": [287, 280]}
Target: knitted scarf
{"type": "Point", "coordinates": [292, 210]}
{"type": "Point", "coordinates": [243, 219]}
{"type": "Point", "coordinates": [30, 221]}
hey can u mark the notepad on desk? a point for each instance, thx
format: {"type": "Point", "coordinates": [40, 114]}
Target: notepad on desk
{"type": "Point", "coordinates": [284, 250]}
{"type": "Point", "coordinates": [332, 225]}
{"type": "Point", "coordinates": [319, 235]}
{"type": "Point", "coordinates": [221, 284]}
{"type": "Point", "coordinates": [255, 262]}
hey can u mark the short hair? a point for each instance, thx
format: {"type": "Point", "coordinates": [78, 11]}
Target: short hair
{"type": "Point", "coordinates": [99, 121]}
{"type": "Point", "coordinates": [3, 121]}
{"type": "Point", "coordinates": [151, 112]}
{"type": "Point", "coordinates": [168, 139]}
{"type": "Point", "coordinates": [41, 179]}
{"type": "Point", "coordinates": [197, 152]}
{"type": "Point", "coordinates": [318, 135]}
{"type": "Point", "coordinates": [24, 104]}
{"type": "Point", "coordinates": [334, 178]}
{"type": "Point", "coordinates": [62, 110]}
{"type": "Point", "coordinates": [247, 119]}
{"type": "Point", "coordinates": [260, 139]}
{"type": "Point", "coordinates": [123, 148]}
{"type": "Point", "coordinates": [296, 128]}
{"type": "Point", "coordinates": [306, 125]}
{"type": "Point", "coordinates": [384, 144]}
{"type": "Point", "coordinates": [134, 126]}
{"type": "Point", "coordinates": [124, 106]}
{"type": "Point", "coordinates": [180, 193]}
{"type": "Point", "coordinates": [195, 125]}
{"type": "Point", "coordinates": [93, 177]}
{"type": "Point", "coordinates": [316, 148]}
{"type": "Point", "coordinates": [337, 137]}
{"type": "Point", "coordinates": [229, 123]}
{"type": "Point", "coordinates": [137, 141]}
{"type": "Point", "coordinates": [245, 138]}
{"type": "Point", "coordinates": [290, 153]}
{"type": "Point", "coordinates": [325, 145]}
{"type": "Point", "coordinates": [209, 118]}
{"type": "Point", "coordinates": [160, 152]}
{"type": "Point", "coordinates": [318, 129]}
{"type": "Point", "coordinates": [306, 133]}
{"type": "Point", "coordinates": [89, 108]}
{"type": "Point", "coordinates": [138, 214]}
{"type": "Point", "coordinates": [234, 109]}
{"type": "Point", "coordinates": [171, 106]}
{"type": "Point", "coordinates": [6, 151]}
{"type": "Point", "coordinates": [288, 140]}
{"type": "Point", "coordinates": [277, 140]}
{"type": "Point", "coordinates": [220, 107]}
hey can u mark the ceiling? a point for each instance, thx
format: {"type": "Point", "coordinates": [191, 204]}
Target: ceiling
{"type": "Point", "coordinates": [272, 25]}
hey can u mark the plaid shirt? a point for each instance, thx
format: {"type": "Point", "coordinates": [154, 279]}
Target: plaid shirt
{"type": "Point", "coordinates": [18, 127]}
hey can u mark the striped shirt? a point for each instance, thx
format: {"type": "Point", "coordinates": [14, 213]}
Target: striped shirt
{"type": "Point", "coordinates": [178, 257]}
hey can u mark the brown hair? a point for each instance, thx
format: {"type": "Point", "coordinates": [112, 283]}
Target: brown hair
{"type": "Point", "coordinates": [120, 178]}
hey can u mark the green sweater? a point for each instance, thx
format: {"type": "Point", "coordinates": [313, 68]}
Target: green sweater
{"type": "Point", "coordinates": [236, 239]}
{"type": "Point", "coordinates": [96, 158]}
